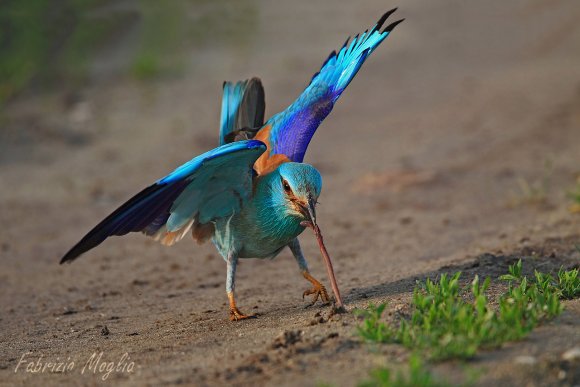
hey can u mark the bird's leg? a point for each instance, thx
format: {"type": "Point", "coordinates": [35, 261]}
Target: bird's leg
{"type": "Point", "coordinates": [318, 290]}
{"type": "Point", "coordinates": [235, 313]}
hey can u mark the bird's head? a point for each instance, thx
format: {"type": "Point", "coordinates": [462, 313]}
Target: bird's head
{"type": "Point", "coordinates": [298, 187]}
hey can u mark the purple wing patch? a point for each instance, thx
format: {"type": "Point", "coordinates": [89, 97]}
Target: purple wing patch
{"type": "Point", "coordinates": [293, 128]}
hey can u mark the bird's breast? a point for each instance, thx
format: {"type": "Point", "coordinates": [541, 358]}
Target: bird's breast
{"type": "Point", "coordinates": [257, 232]}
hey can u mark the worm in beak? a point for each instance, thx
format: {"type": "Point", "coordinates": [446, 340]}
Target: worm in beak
{"type": "Point", "coordinates": [309, 212]}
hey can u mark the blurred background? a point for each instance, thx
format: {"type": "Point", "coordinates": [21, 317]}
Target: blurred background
{"type": "Point", "coordinates": [72, 43]}
{"type": "Point", "coordinates": [459, 136]}
{"type": "Point", "coordinates": [100, 97]}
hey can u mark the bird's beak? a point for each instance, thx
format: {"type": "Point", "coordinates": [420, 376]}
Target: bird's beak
{"type": "Point", "coordinates": [309, 212]}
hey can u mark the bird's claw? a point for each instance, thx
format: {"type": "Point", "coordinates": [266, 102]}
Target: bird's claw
{"type": "Point", "coordinates": [236, 315]}
{"type": "Point", "coordinates": [319, 291]}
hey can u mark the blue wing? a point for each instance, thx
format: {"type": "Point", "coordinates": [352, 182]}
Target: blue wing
{"type": "Point", "coordinates": [213, 185]}
{"type": "Point", "coordinates": [243, 106]}
{"type": "Point", "coordinates": [290, 131]}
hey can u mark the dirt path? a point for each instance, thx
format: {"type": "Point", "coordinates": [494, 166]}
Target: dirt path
{"type": "Point", "coordinates": [421, 161]}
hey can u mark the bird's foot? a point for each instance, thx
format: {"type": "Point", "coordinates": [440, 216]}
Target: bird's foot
{"type": "Point", "coordinates": [236, 315]}
{"type": "Point", "coordinates": [318, 290]}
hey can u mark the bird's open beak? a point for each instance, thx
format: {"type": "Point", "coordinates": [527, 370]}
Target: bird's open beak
{"type": "Point", "coordinates": [309, 212]}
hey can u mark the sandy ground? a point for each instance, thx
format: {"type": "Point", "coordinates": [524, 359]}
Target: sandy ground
{"type": "Point", "coordinates": [422, 160]}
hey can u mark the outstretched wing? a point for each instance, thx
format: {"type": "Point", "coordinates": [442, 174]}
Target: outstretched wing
{"type": "Point", "coordinates": [288, 133]}
{"type": "Point", "coordinates": [213, 185]}
{"type": "Point", "coordinates": [243, 107]}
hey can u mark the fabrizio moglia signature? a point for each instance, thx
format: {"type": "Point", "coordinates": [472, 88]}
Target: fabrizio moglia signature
{"type": "Point", "coordinates": [94, 364]}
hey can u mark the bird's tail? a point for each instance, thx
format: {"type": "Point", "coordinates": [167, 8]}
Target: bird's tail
{"type": "Point", "coordinates": [243, 106]}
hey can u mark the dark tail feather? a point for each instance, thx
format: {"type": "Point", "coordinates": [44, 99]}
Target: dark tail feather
{"type": "Point", "coordinates": [251, 111]}
{"type": "Point", "coordinates": [243, 106]}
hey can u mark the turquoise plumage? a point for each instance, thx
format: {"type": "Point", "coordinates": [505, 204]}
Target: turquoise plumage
{"type": "Point", "coordinates": [252, 195]}
{"type": "Point", "coordinates": [242, 107]}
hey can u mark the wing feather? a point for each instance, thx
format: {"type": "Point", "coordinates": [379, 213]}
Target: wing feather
{"type": "Point", "coordinates": [290, 131]}
{"type": "Point", "coordinates": [213, 185]}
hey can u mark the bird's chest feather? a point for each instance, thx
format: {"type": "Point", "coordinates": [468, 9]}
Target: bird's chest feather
{"type": "Point", "coordinates": [260, 230]}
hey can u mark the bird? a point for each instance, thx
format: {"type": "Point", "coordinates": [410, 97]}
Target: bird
{"type": "Point", "coordinates": [253, 195]}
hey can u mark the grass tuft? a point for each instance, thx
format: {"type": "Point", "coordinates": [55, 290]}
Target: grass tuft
{"type": "Point", "coordinates": [449, 321]}
{"type": "Point", "coordinates": [372, 328]}
{"type": "Point", "coordinates": [568, 284]}
{"type": "Point", "coordinates": [417, 376]}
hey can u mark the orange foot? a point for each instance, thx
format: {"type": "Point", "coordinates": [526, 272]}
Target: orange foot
{"type": "Point", "coordinates": [318, 290]}
{"type": "Point", "coordinates": [235, 314]}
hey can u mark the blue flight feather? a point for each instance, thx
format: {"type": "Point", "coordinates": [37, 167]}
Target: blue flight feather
{"type": "Point", "coordinates": [168, 201]}
{"type": "Point", "coordinates": [292, 129]}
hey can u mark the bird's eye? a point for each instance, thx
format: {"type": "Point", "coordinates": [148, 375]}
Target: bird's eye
{"type": "Point", "coordinates": [286, 186]}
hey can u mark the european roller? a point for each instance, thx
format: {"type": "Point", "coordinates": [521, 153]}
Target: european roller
{"type": "Point", "coordinates": [252, 195]}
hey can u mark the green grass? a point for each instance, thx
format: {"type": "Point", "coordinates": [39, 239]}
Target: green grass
{"type": "Point", "coordinates": [162, 31]}
{"type": "Point", "coordinates": [372, 328]}
{"type": "Point", "coordinates": [569, 284]}
{"type": "Point", "coordinates": [566, 284]}
{"type": "Point", "coordinates": [417, 376]}
{"type": "Point", "coordinates": [449, 321]}
{"type": "Point", "coordinates": [46, 43]}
